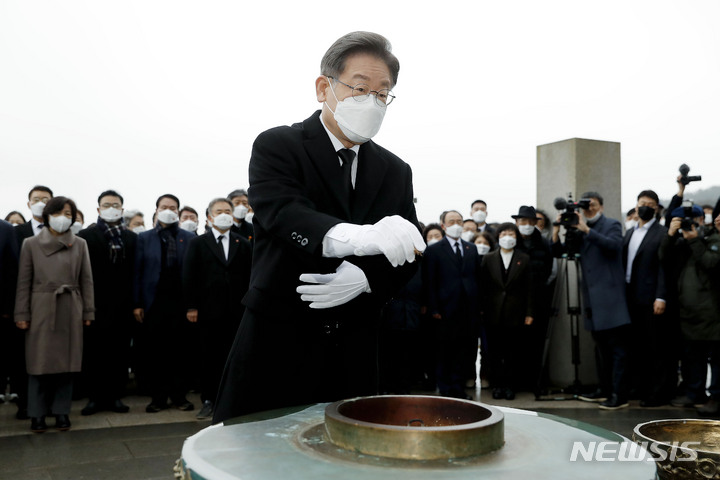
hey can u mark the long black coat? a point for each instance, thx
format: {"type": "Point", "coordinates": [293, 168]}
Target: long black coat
{"type": "Point", "coordinates": [507, 300]}
{"type": "Point", "coordinates": [8, 268]}
{"type": "Point", "coordinates": [286, 353]}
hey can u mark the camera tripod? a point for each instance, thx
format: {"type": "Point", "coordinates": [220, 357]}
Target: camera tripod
{"type": "Point", "coordinates": [567, 283]}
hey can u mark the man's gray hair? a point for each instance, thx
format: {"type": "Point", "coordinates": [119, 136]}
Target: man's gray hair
{"type": "Point", "coordinates": [333, 62]}
{"type": "Point", "coordinates": [217, 200]}
{"type": "Point", "coordinates": [240, 192]}
{"type": "Point", "coordinates": [130, 214]}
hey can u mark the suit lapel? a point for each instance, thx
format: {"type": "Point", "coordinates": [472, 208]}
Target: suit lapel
{"type": "Point", "coordinates": [234, 245]}
{"type": "Point", "coordinates": [371, 169]}
{"type": "Point", "coordinates": [321, 152]}
{"type": "Point", "coordinates": [514, 268]}
{"type": "Point", "coordinates": [212, 244]}
{"type": "Point", "coordinates": [450, 252]}
{"type": "Point", "coordinates": [496, 267]}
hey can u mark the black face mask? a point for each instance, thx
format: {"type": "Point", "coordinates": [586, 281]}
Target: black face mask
{"type": "Point", "coordinates": [646, 213]}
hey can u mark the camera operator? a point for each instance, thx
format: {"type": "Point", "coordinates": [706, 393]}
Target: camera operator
{"type": "Point", "coordinates": [603, 277]}
{"type": "Point", "coordinates": [691, 255]}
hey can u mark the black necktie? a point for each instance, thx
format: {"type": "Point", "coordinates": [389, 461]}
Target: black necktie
{"type": "Point", "coordinates": [458, 253]}
{"type": "Point", "coordinates": [347, 156]}
{"type": "Point", "coordinates": [220, 247]}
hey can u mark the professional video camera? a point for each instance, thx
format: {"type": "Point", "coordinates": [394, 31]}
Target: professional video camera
{"type": "Point", "coordinates": [688, 218]}
{"type": "Point", "coordinates": [685, 179]}
{"type": "Point", "coordinates": [568, 217]}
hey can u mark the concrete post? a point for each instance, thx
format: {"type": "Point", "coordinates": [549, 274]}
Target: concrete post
{"type": "Point", "coordinates": [576, 166]}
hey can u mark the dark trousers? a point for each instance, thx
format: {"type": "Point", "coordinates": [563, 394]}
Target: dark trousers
{"type": "Point", "coordinates": [106, 357]}
{"type": "Point", "coordinates": [452, 334]}
{"type": "Point", "coordinates": [696, 356]}
{"type": "Point", "coordinates": [652, 366]}
{"type": "Point", "coordinates": [167, 350]}
{"type": "Point", "coordinates": [49, 394]}
{"type": "Point", "coordinates": [503, 355]}
{"type": "Point", "coordinates": [611, 357]}
{"type": "Point", "coordinates": [13, 361]}
{"type": "Point", "coordinates": [216, 339]}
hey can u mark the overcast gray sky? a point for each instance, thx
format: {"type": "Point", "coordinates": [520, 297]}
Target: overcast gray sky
{"type": "Point", "coordinates": [149, 97]}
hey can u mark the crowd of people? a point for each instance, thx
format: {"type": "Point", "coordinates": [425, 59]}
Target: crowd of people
{"type": "Point", "coordinates": [86, 303]}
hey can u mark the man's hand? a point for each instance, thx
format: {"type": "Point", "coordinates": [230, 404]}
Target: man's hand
{"type": "Point", "coordinates": [192, 315]}
{"type": "Point", "coordinates": [528, 320]}
{"type": "Point", "coordinates": [689, 235]}
{"type": "Point", "coordinates": [658, 307]}
{"type": "Point", "coordinates": [394, 237]}
{"type": "Point", "coordinates": [87, 323]}
{"type": "Point", "coordinates": [333, 289]}
{"type": "Point", "coordinates": [556, 228]}
{"type": "Point", "coordinates": [582, 224]}
{"type": "Point", "coordinates": [22, 325]}
{"type": "Point", "coordinates": [674, 226]}
{"type": "Point", "coordinates": [437, 316]}
{"type": "Point", "coordinates": [139, 314]}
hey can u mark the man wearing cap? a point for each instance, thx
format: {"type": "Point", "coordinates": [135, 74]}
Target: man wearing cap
{"type": "Point", "coordinates": [692, 262]}
{"type": "Point", "coordinates": [537, 248]}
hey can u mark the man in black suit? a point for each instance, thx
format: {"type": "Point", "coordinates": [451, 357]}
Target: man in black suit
{"type": "Point", "coordinates": [335, 236]}
{"type": "Point", "coordinates": [8, 284]}
{"type": "Point", "coordinates": [106, 352]}
{"type": "Point", "coordinates": [451, 275]}
{"type": "Point", "coordinates": [38, 197]}
{"type": "Point", "coordinates": [216, 270]}
{"type": "Point", "coordinates": [478, 212]}
{"type": "Point", "coordinates": [653, 374]}
{"type": "Point", "coordinates": [242, 214]}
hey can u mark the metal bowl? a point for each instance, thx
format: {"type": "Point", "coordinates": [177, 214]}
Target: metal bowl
{"type": "Point", "coordinates": [414, 427]}
{"type": "Point", "coordinates": [683, 449]}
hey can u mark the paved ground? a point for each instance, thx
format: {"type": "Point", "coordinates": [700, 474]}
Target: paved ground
{"type": "Point", "coordinates": [140, 446]}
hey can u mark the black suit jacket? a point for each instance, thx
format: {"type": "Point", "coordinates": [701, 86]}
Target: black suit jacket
{"type": "Point", "coordinates": [647, 281]}
{"type": "Point", "coordinates": [112, 282]}
{"type": "Point", "coordinates": [8, 268]}
{"type": "Point", "coordinates": [22, 232]}
{"type": "Point", "coordinates": [452, 287]}
{"type": "Point", "coordinates": [508, 299]}
{"type": "Point", "coordinates": [296, 194]}
{"type": "Point", "coordinates": [212, 285]}
{"type": "Point", "coordinates": [244, 229]}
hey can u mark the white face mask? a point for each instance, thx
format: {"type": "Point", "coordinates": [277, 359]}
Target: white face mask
{"type": "Point", "coordinates": [358, 120]}
{"type": "Point", "coordinates": [526, 229]}
{"type": "Point", "coordinates": [432, 241]}
{"type": "Point", "coordinates": [454, 231]}
{"type": "Point", "coordinates": [167, 216]}
{"type": "Point", "coordinates": [708, 218]}
{"type": "Point", "coordinates": [37, 209]}
{"type": "Point", "coordinates": [630, 224]}
{"type": "Point", "coordinates": [479, 216]}
{"type": "Point", "coordinates": [139, 229]}
{"type": "Point", "coordinates": [59, 223]}
{"type": "Point", "coordinates": [249, 217]}
{"type": "Point", "coordinates": [482, 248]}
{"type": "Point", "coordinates": [189, 226]}
{"type": "Point", "coordinates": [111, 215]}
{"type": "Point", "coordinates": [222, 221]}
{"type": "Point", "coordinates": [467, 235]}
{"type": "Point", "coordinates": [594, 219]}
{"type": "Point", "coordinates": [240, 212]}
{"type": "Point", "coordinates": [76, 227]}
{"type": "Point", "coordinates": [507, 242]}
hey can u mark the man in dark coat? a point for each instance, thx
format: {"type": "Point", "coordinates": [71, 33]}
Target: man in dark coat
{"type": "Point", "coordinates": [606, 315]}
{"type": "Point", "coordinates": [216, 270]}
{"type": "Point", "coordinates": [451, 278]}
{"type": "Point", "coordinates": [8, 283]}
{"type": "Point", "coordinates": [159, 306]}
{"type": "Point", "coordinates": [242, 214]}
{"type": "Point", "coordinates": [532, 338]}
{"type": "Point", "coordinates": [653, 372]}
{"type": "Point", "coordinates": [336, 235]}
{"type": "Point", "coordinates": [106, 353]}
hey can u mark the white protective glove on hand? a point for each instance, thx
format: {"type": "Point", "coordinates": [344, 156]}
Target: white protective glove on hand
{"type": "Point", "coordinates": [396, 238]}
{"type": "Point", "coordinates": [333, 289]}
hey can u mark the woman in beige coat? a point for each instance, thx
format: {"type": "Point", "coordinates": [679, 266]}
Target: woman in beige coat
{"type": "Point", "coordinates": [54, 300]}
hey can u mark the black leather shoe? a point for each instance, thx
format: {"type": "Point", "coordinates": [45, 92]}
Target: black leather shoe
{"type": "Point", "coordinates": [38, 425]}
{"type": "Point", "coordinates": [710, 409]}
{"type": "Point", "coordinates": [614, 403]}
{"type": "Point", "coordinates": [154, 408]}
{"type": "Point", "coordinates": [62, 423]}
{"type": "Point", "coordinates": [90, 409]}
{"type": "Point", "coordinates": [653, 402]}
{"type": "Point", "coordinates": [119, 407]}
{"type": "Point", "coordinates": [596, 396]}
{"type": "Point", "coordinates": [184, 405]}
{"type": "Point", "coordinates": [509, 394]}
{"type": "Point", "coordinates": [498, 393]}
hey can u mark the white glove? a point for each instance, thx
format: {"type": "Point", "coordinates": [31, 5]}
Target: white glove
{"type": "Point", "coordinates": [394, 237]}
{"type": "Point", "coordinates": [333, 289]}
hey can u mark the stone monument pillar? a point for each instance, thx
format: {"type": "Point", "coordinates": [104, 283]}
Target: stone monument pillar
{"type": "Point", "coordinates": [575, 166]}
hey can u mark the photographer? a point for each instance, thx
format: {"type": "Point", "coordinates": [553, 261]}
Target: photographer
{"type": "Point", "coordinates": [691, 255]}
{"type": "Point", "coordinates": [599, 241]}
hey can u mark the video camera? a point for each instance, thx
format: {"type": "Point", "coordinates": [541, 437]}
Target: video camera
{"type": "Point", "coordinates": [685, 179]}
{"type": "Point", "coordinates": [688, 218]}
{"type": "Point", "coordinates": [568, 217]}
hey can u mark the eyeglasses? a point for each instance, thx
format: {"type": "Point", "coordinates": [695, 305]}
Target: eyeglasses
{"type": "Point", "coordinates": [111, 205]}
{"type": "Point", "coordinates": [361, 91]}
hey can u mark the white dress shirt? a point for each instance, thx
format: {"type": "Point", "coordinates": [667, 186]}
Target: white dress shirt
{"type": "Point", "coordinates": [225, 241]}
{"type": "Point", "coordinates": [506, 257]}
{"type": "Point", "coordinates": [337, 145]}
{"type": "Point", "coordinates": [455, 245]}
{"type": "Point", "coordinates": [633, 246]}
{"type": "Point", "coordinates": [36, 226]}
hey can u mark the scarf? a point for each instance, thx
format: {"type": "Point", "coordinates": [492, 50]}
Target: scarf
{"type": "Point", "coordinates": [113, 234]}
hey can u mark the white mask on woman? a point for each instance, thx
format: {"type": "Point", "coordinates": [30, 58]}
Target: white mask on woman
{"type": "Point", "coordinates": [59, 223]}
{"type": "Point", "coordinates": [76, 227]}
{"type": "Point", "coordinates": [507, 242]}
{"type": "Point", "coordinates": [482, 248]}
